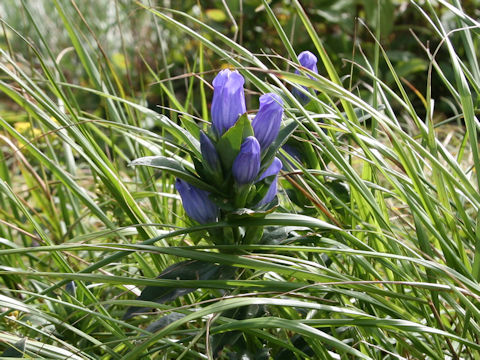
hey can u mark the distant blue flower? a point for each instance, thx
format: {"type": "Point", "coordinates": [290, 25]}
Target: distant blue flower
{"type": "Point", "coordinates": [209, 153]}
{"type": "Point", "coordinates": [273, 169]}
{"type": "Point", "coordinates": [309, 61]}
{"type": "Point", "coordinates": [228, 100]}
{"type": "Point", "coordinates": [247, 163]}
{"type": "Point", "coordinates": [196, 202]}
{"type": "Point", "coordinates": [266, 123]}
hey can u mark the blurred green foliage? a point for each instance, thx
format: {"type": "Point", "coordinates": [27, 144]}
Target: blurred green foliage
{"type": "Point", "coordinates": [134, 42]}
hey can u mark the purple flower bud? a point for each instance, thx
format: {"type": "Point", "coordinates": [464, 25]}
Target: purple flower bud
{"type": "Point", "coordinates": [309, 61]}
{"type": "Point", "coordinates": [247, 163]}
{"type": "Point", "coordinates": [266, 123]}
{"type": "Point", "coordinates": [271, 193]}
{"type": "Point", "coordinates": [228, 100]}
{"type": "Point", "coordinates": [209, 153]}
{"type": "Point", "coordinates": [196, 203]}
{"type": "Point", "coordinates": [273, 169]}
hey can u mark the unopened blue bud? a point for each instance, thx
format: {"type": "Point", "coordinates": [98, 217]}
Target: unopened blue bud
{"type": "Point", "coordinates": [266, 123]}
{"type": "Point", "coordinates": [196, 202]}
{"type": "Point", "coordinates": [228, 100]}
{"type": "Point", "coordinates": [272, 170]}
{"type": "Point", "coordinates": [209, 153]}
{"type": "Point", "coordinates": [247, 163]}
{"type": "Point", "coordinates": [271, 193]}
{"type": "Point", "coordinates": [309, 61]}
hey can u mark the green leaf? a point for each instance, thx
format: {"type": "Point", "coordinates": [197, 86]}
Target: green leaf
{"type": "Point", "coordinates": [164, 321]}
{"type": "Point", "coordinates": [15, 350]}
{"type": "Point", "coordinates": [230, 339]}
{"type": "Point", "coordinates": [173, 167]}
{"type": "Point", "coordinates": [185, 270]}
{"type": "Point", "coordinates": [285, 132]}
{"type": "Point", "coordinates": [273, 235]}
{"type": "Point", "coordinates": [229, 144]}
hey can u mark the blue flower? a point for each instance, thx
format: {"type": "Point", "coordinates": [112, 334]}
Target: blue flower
{"type": "Point", "coordinates": [309, 61]}
{"type": "Point", "coordinates": [266, 123]}
{"type": "Point", "coordinates": [209, 153]}
{"type": "Point", "coordinates": [247, 163]}
{"type": "Point", "coordinates": [196, 202]}
{"type": "Point", "coordinates": [270, 195]}
{"type": "Point", "coordinates": [228, 100]}
{"type": "Point", "coordinates": [272, 170]}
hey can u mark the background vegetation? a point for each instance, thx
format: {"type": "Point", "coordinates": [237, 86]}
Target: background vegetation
{"type": "Point", "coordinates": [374, 251]}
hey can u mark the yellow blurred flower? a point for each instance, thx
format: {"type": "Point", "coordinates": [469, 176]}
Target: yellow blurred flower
{"type": "Point", "coordinates": [25, 128]}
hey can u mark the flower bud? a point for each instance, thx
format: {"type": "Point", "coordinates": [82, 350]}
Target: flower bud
{"type": "Point", "coordinates": [273, 169]}
{"type": "Point", "coordinates": [209, 153]}
{"type": "Point", "coordinates": [247, 163]}
{"type": "Point", "coordinates": [196, 202]}
{"type": "Point", "coordinates": [309, 61]}
{"type": "Point", "coordinates": [266, 123]}
{"type": "Point", "coordinates": [271, 193]}
{"type": "Point", "coordinates": [228, 100]}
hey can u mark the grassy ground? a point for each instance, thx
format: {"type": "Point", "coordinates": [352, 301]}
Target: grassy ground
{"type": "Point", "coordinates": [372, 252]}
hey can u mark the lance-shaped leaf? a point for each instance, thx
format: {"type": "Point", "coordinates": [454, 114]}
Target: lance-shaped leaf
{"type": "Point", "coordinates": [16, 350]}
{"type": "Point", "coordinates": [185, 270]}
{"type": "Point", "coordinates": [173, 167]}
{"type": "Point", "coordinates": [283, 135]}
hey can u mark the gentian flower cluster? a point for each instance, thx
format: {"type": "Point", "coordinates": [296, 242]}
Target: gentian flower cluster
{"type": "Point", "coordinates": [235, 154]}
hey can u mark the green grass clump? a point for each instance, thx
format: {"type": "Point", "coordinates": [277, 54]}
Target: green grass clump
{"type": "Point", "coordinates": [373, 251]}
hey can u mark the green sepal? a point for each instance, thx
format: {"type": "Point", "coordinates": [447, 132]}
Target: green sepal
{"type": "Point", "coordinates": [191, 126]}
{"type": "Point", "coordinates": [283, 135]}
{"type": "Point", "coordinates": [241, 195]}
{"type": "Point", "coordinates": [260, 190]}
